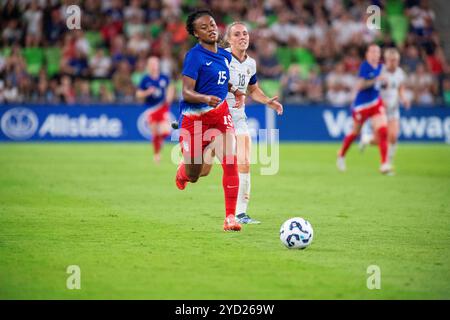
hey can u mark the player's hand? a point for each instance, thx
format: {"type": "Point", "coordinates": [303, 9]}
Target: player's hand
{"type": "Point", "coordinates": [406, 103]}
{"type": "Point", "coordinates": [382, 78]}
{"type": "Point", "coordinates": [239, 98]}
{"type": "Point", "coordinates": [213, 101]}
{"type": "Point", "coordinates": [149, 90]}
{"type": "Point", "coordinates": [275, 105]}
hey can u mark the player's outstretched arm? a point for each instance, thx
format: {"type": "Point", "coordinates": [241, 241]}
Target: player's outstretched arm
{"type": "Point", "coordinates": [142, 94]}
{"type": "Point", "coordinates": [170, 94]}
{"type": "Point", "coordinates": [192, 96]}
{"type": "Point", "coordinates": [259, 96]}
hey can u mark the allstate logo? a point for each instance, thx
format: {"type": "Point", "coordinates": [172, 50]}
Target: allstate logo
{"type": "Point", "coordinates": [19, 123]}
{"type": "Point", "coordinates": [143, 126]}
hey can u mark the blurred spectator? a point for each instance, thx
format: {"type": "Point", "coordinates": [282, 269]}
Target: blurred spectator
{"type": "Point", "coordinates": [11, 92]}
{"type": "Point", "coordinates": [2, 88]}
{"type": "Point", "coordinates": [12, 33]}
{"type": "Point", "coordinates": [83, 92]}
{"type": "Point", "coordinates": [446, 91]}
{"type": "Point", "coordinates": [422, 17]}
{"type": "Point", "coordinates": [77, 66]}
{"type": "Point", "coordinates": [294, 86]}
{"type": "Point", "coordinates": [105, 95]}
{"type": "Point", "coordinates": [33, 22]}
{"type": "Point", "coordinates": [122, 82]}
{"type": "Point", "coordinates": [283, 28]}
{"type": "Point", "coordinates": [55, 27]}
{"type": "Point", "coordinates": [100, 64]}
{"type": "Point", "coordinates": [423, 85]}
{"type": "Point", "coordinates": [326, 37]}
{"type": "Point", "coordinates": [340, 86]}
{"type": "Point", "coordinates": [66, 91]}
{"type": "Point", "coordinates": [410, 59]}
{"type": "Point", "coordinates": [138, 45]}
{"type": "Point", "coordinates": [81, 43]}
{"type": "Point", "coordinates": [315, 86]}
{"type": "Point", "coordinates": [268, 65]}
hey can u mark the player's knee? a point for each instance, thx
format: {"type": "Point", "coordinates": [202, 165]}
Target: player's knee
{"type": "Point", "coordinates": [244, 167]}
{"type": "Point", "coordinates": [392, 139]}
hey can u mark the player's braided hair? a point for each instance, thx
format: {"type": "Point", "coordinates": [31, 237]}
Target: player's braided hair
{"type": "Point", "coordinates": [194, 16]}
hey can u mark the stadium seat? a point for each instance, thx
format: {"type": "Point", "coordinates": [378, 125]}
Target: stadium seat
{"type": "Point", "coordinates": [6, 51]}
{"type": "Point", "coordinates": [304, 58]}
{"type": "Point", "coordinates": [270, 87]}
{"type": "Point", "coordinates": [395, 7]}
{"type": "Point", "coordinates": [34, 57]}
{"type": "Point", "coordinates": [178, 87]}
{"type": "Point", "coordinates": [94, 38]}
{"type": "Point", "coordinates": [284, 55]}
{"type": "Point", "coordinates": [96, 84]}
{"type": "Point", "coordinates": [398, 25]}
{"type": "Point", "coordinates": [52, 59]}
{"type": "Point", "coordinates": [136, 77]}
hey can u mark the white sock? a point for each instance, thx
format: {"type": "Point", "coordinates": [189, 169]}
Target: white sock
{"type": "Point", "coordinates": [244, 193]}
{"type": "Point", "coordinates": [391, 152]}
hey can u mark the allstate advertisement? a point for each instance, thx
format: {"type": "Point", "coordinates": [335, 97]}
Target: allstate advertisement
{"type": "Point", "coordinates": [331, 124]}
{"type": "Point", "coordinates": [128, 123]}
{"type": "Point", "coordinates": [88, 123]}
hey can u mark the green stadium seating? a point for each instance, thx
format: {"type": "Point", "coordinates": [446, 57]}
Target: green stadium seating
{"type": "Point", "coordinates": [395, 7]}
{"type": "Point", "coordinates": [270, 87]}
{"type": "Point", "coordinates": [178, 86]}
{"type": "Point", "coordinates": [34, 57]}
{"type": "Point", "coordinates": [136, 77]}
{"type": "Point", "coordinates": [304, 58]}
{"type": "Point", "coordinates": [271, 19]}
{"type": "Point", "coordinates": [53, 59]}
{"type": "Point", "coordinates": [96, 84]}
{"type": "Point", "coordinates": [94, 38]}
{"type": "Point", "coordinates": [284, 55]}
{"type": "Point", "coordinates": [6, 51]}
{"type": "Point", "coordinates": [399, 28]}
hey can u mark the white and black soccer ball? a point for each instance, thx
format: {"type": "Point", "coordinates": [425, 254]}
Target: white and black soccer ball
{"type": "Point", "coordinates": [296, 233]}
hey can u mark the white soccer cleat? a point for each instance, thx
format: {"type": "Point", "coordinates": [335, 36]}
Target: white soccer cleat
{"type": "Point", "coordinates": [340, 164]}
{"type": "Point", "coordinates": [386, 168]}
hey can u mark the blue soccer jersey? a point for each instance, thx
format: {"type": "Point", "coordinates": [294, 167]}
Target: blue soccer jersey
{"type": "Point", "coordinates": [159, 94]}
{"type": "Point", "coordinates": [211, 72]}
{"type": "Point", "coordinates": [368, 96]}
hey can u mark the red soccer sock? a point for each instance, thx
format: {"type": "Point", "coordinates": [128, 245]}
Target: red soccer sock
{"type": "Point", "coordinates": [230, 182]}
{"type": "Point", "coordinates": [157, 142]}
{"type": "Point", "coordinates": [383, 143]}
{"type": "Point", "coordinates": [347, 143]}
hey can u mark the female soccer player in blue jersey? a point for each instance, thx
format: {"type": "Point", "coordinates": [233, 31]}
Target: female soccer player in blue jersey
{"type": "Point", "coordinates": [243, 76]}
{"type": "Point", "coordinates": [204, 111]}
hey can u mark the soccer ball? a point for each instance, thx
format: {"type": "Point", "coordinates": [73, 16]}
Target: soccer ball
{"type": "Point", "coordinates": [296, 233]}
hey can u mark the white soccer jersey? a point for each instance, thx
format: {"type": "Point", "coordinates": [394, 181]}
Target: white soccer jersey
{"type": "Point", "coordinates": [241, 75]}
{"type": "Point", "coordinates": [390, 94]}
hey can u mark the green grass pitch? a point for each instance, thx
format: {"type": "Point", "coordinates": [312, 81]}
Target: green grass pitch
{"type": "Point", "coordinates": [108, 209]}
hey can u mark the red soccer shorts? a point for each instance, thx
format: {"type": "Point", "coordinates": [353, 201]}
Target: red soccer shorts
{"type": "Point", "coordinates": [362, 114]}
{"type": "Point", "coordinates": [160, 114]}
{"type": "Point", "coordinates": [197, 132]}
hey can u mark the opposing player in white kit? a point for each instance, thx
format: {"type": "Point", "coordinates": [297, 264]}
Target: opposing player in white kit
{"type": "Point", "coordinates": [243, 76]}
{"type": "Point", "coordinates": [392, 93]}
